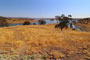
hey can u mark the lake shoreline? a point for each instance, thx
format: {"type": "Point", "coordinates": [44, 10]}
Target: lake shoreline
{"type": "Point", "coordinates": [83, 27]}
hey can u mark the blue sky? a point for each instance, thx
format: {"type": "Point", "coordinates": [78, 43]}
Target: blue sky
{"type": "Point", "coordinates": [44, 8]}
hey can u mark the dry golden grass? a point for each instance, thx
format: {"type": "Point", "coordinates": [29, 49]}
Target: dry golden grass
{"type": "Point", "coordinates": [43, 39]}
{"type": "Point", "coordinates": [18, 20]}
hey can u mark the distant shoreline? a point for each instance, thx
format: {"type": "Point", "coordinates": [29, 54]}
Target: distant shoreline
{"type": "Point", "coordinates": [18, 20]}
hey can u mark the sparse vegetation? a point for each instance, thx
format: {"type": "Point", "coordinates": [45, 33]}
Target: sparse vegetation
{"type": "Point", "coordinates": [18, 20]}
{"type": "Point", "coordinates": [34, 24]}
{"type": "Point", "coordinates": [84, 21]}
{"type": "Point", "coordinates": [3, 21]}
{"type": "Point", "coordinates": [42, 22]}
{"type": "Point", "coordinates": [49, 43]}
{"type": "Point", "coordinates": [26, 23]}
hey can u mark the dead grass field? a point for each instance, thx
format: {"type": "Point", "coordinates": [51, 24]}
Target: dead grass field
{"type": "Point", "coordinates": [19, 20]}
{"type": "Point", "coordinates": [45, 39]}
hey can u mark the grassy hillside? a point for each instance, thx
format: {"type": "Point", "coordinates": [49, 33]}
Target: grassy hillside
{"type": "Point", "coordinates": [45, 42]}
{"type": "Point", "coordinates": [83, 27]}
{"type": "Point", "coordinates": [18, 20]}
{"type": "Point", "coordinates": [4, 21]}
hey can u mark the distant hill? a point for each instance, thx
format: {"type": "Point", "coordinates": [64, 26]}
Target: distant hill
{"type": "Point", "coordinates": [12, 20]}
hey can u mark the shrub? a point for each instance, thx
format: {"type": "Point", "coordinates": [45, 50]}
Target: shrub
{"type": "Point", "coordinates": [42, 22]}
{"type": "Point", "coordinates": [26, 23]}
{"type": "Point", "coordinates": [34, 24]}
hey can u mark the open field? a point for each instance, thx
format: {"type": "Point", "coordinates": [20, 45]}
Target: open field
{"type": "Point", "coordinates": [44, 42]}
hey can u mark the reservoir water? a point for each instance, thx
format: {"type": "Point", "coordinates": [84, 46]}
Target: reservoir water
{"type": "Point", "coordinates": [48, 22]}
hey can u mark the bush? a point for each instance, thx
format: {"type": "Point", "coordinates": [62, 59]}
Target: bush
{"type": "Point", "coordinates": [34, 24]}
{"type": "Point", "coordinates": [26, 23]}
{"type": "Point", "coordinates": [42, 22]}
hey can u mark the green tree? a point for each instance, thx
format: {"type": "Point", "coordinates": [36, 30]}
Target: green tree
{"type": "Point", "coordinates": [70, 17]}
{"type": "Point", "coordinates": [64, 20]}
{"type": "Point", "coordinates": [41, 22]}
{"type": "Point", "coordinates": [58, 18]}
{"type": "Point", "coordinates": [26, 23]}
